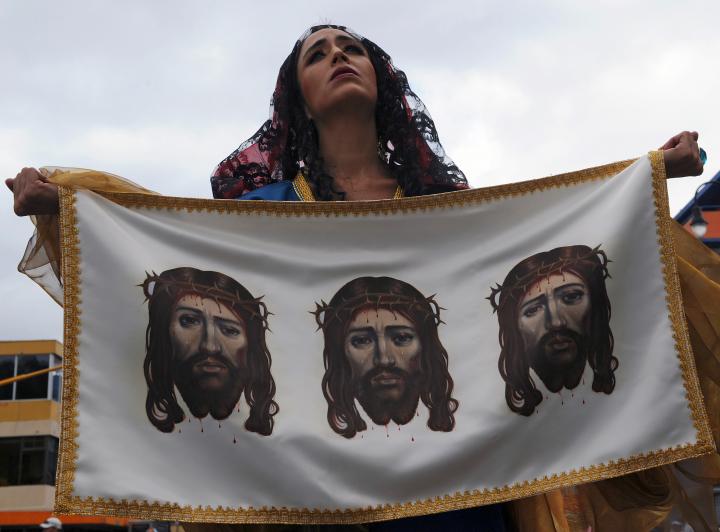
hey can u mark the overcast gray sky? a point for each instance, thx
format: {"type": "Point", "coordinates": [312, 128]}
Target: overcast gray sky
{"type": "Point", "coordinates": [160, 91]}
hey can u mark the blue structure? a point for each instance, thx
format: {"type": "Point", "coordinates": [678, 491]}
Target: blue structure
{"type": "Point", "coordinates": [709, 201]}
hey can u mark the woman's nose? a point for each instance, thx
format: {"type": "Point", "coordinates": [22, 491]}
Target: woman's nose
{"type": "Point", "coordinates": [338, 54]}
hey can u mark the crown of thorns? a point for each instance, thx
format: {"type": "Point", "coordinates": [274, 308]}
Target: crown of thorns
{"type": "Point", "coordinates": [559, 266]}
{"type": "Point", "coordinates": [154, 285]}
{"type": "Point", "coordinates": [326, 314]}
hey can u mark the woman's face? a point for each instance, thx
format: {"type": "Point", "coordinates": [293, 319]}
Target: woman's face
{"type": "Point", "coordinates": [335, 75]}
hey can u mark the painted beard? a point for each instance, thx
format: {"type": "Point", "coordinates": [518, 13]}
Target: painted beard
{"type": "Point", "coordinates": [389, 393]}
{"type": "Point", "coordinates": [209, 384]}
{"type": "Point", "coordinates": [559, 359]}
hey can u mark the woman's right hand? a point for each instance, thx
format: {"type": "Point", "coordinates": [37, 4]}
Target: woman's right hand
{"type": "Point", "coordinates": [33, 194]}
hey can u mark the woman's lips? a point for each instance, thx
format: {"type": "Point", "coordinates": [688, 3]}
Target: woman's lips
{"type": "Point", "coordinates": [343, 72]}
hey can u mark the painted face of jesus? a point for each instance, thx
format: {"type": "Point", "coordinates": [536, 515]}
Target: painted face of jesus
{"type": "Point", "coordinates": [209, 344]}
{"type": "Point", "coordinates": [383, 349]}
{"type": "Point", "coordinates": [552, 320]}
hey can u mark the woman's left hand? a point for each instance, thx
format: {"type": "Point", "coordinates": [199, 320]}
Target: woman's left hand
{"type": "Point", "coordinates": [682, 155]}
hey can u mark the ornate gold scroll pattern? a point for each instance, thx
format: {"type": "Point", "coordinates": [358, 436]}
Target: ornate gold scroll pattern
{"type": "Point", "coordinates": [366, 208]}
{"type": "Point", "coordinates": [66, 502]}
{"type": "Point", "coordinates": [302, 188]}
{"type": "Point", "coordinates": [71, 292]}
{"type": "Point", "coordinates": [444, 503]}
{"type": "Point", "coordinates": [305, 193]}
{"type": "Point", "coordinates": [673, 297]}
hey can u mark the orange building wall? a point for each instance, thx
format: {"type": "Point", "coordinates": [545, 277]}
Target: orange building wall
{"type": "Point", "coordinates": [713, 220]}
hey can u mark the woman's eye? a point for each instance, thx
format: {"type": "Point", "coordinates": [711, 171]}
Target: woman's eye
{"type": "Point", "coordinates": [188, 320]}
{"type": "Point", "coordinates": [354, 48]}
{"type": "Point", "coordinates": [315, 56]}
{"type": "Point", "coordinates": [402, 339]}
{"type": "Point", "coordinates": [572, 297]}
{"type": "Point", "coordinates": [361, 341]}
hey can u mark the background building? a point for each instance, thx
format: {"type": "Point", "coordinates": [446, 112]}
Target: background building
{"type": "Point", "coordinates": [29, 435]}
{"type": "Point", "coordinates": [708, 199]}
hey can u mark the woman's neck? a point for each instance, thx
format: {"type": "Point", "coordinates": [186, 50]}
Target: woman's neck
{"type": "Point", "coordinates": [350, 154]}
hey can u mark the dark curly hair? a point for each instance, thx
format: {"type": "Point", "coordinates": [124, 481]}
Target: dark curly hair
{"type": "Point", "coordinates": [406, 135]}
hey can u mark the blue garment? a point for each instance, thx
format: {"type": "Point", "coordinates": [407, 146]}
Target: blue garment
{"type": "Point", "coordinates": [482, 519]}
{"type": "Point", "coordinates": [280, 191]}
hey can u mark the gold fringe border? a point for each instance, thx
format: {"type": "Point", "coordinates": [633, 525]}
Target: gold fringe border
{"type": "Point", "coordinates": [673, 298]}
{"type": "Point", "coordinates": [65, 502]}
{"type": "Point", "coordinates": [309, 207]}
{"type": "Point", "coordinates": [65, 476]}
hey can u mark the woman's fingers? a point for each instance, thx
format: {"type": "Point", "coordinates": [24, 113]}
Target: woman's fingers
{"type": "Point", "coordinates": [32, 194]}
{"type": "Point", "coordinates": [682, 155]}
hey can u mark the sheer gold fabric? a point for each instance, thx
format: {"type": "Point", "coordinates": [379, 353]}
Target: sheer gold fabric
{"type": "Point", "coordinates": [41, 261]}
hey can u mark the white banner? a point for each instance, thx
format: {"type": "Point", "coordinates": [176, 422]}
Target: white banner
{"type": "Point", "coordinates": [345, 362]}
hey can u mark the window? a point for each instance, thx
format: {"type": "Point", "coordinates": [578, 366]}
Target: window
{"type": "Point", "coordinates": [35, 387]}
{"type": "Point", "coordinates": [28, 460]}
{"type": "Point", "coordinates": [7, 370]}
{"type": "Point", "coordinates": [56, 385]}
{"type": "Point", "coordinates": [45, 386]}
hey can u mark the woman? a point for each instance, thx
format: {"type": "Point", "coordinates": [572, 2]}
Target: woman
{"type": "Point", "coordinates": [345, 120]}
{"type": "Point", "coordinates": [345, 126]}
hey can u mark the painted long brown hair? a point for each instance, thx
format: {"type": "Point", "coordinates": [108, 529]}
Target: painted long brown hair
{"type": "Point", "coordinates": [404, 299]}
{"type": "Point", "coordinates": [162, 292]}
{"type": "Point", "coordinates": [590, 264]}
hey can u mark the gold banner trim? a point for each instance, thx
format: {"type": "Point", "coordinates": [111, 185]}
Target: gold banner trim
{"type": "Point", "coordinates": [66, 502]}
